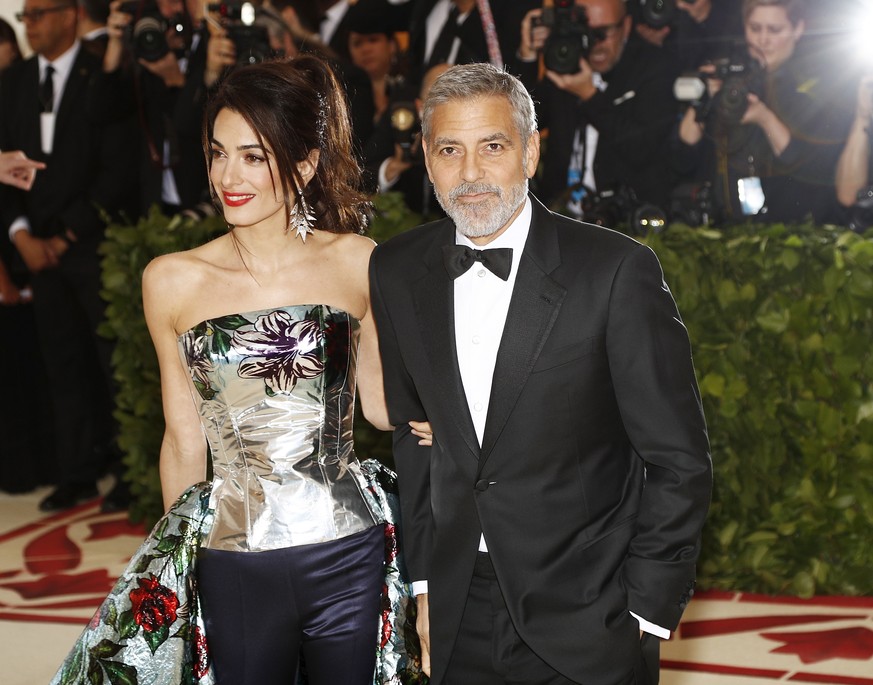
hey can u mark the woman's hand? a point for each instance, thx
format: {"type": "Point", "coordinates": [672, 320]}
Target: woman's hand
{"type": "Point", "coordinates": [423, 430]}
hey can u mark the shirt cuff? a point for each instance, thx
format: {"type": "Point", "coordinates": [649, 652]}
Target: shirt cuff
{"type": "Point", "coordinates": [655, 630]}
{"type": "Point", "coordinates": [384, 184]}
{"type": "Point", "coordinates": [419, 587]}
{"type": "Point", "coordinates": [19, 224]}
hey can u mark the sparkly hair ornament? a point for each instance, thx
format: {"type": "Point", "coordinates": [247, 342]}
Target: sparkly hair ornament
{"type": "Point", "coordinates": [321, 123]}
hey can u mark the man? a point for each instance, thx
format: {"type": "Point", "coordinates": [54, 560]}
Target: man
{"type": "Point", "coordinates": [394, 169]}
{"type": "Point", "coordinates": [557, 515]}
{"type": "Point", "coordinates": [56, 227]}
{"type": "Point", "coordinates": [609, 121]}
{"type": "Point", "coordinates": [454, 32]}
{"type": "Point", "coordinates": [700, 31]}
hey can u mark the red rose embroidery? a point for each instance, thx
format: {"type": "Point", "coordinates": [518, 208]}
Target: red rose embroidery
{"type": "Point", "coordinates": [153, 605]}
{"type": "Point", "coordinates": [201, 654]}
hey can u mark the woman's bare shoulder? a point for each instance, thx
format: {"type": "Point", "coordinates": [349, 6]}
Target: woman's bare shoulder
{"type": "Point", "coordinates": [176, 269]}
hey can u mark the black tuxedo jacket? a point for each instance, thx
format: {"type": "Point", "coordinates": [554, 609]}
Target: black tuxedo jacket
{"type": "Point", "coordinates": [91, 168]}
{"type": "Point", "coordinates": [473, 47]}
{"type": "Point", "coordinates": [633, 118]}
{"type": "Point", "coordinates": [594, 476]}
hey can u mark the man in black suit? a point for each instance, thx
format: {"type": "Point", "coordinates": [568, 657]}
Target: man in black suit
{"type": "Point", "coordinates": [57, 227]}
{"type": "Point", "coordinates": [610, 120]}
{"type": "Point", "coordinates": [453, 32]}
{"type": "Point", "coordinates": [556, 519]}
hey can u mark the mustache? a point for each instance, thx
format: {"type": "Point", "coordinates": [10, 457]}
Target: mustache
{"type": "Point", "coordinates": [473, 189]}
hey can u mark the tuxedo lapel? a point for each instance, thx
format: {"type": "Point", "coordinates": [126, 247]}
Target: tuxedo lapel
{"type": "Point", "coordinates": [536, 300]}
{"type": "Point", "coordinates": [72, 97]}
{"type": "Point", "coordinates": [435, 312]}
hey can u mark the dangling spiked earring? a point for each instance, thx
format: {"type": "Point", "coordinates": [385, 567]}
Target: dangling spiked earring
{"type": "Point", "coordinates": [301, 219]}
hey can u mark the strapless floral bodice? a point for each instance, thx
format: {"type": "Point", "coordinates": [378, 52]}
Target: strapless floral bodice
{"type": "Point", "coordinates": [275, 390]}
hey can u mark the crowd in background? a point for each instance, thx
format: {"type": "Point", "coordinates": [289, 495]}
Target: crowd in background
{"type": "Point", "coordinates": [706, 112]}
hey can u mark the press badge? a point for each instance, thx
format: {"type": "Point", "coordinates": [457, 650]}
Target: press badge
{"type": "Point", "coordinates": [751, 195]}
{"type": "Point", "coordinates": [47, 131]}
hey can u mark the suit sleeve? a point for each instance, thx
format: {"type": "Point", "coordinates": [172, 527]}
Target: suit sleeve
{"type": "Point", "coordinates": [411, 460]}
{"type": "Point", "coordinates": [651, 366]}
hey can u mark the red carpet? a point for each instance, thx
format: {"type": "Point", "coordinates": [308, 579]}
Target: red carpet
{"type": "Point", "coordinates": [55, 570]}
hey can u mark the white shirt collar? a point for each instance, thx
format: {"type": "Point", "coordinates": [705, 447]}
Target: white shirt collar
{"type": "Point", "coordinates": [515, 236]}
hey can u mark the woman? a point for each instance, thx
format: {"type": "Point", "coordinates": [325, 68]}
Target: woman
{"type": "Point", "coordinates": [768, 153]}
{"type": "Point", "coordinates": [268, 328]}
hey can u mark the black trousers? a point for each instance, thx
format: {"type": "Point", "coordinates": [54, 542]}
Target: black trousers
{"type": "Point", "coordinates": [489, 651]}
{"type": "Point", "coordinates": [264, 609]}
{"type": "Point", "coordinates": [68, 310]}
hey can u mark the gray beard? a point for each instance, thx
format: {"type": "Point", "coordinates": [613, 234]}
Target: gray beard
{"type": "Point", "coordinates": [482, 219]}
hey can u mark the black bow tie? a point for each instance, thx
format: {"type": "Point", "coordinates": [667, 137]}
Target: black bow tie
{"type": "Point", "coordinates": [459, 258]}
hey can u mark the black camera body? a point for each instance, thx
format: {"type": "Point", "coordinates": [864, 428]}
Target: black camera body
{"type": "Point", "coordinates": [146, 35]}
{"type": "Point", "coordinates": [570, 37]}
{"type": "Point", "coordinates": [861, 213]}
{"type": "Point", "coordinates": [739, 78]}
{"type": "Point", "coordinates": [619, 208]}
{"type": "Point", "coordinates": [251, 40]}
{"type": "Point", "coordinates": [657, 13]}
{"type": "Point", "coordinates": [406, 130]}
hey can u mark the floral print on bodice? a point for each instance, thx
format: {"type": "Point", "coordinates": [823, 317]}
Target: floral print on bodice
{"type": "Point", "coordinates": [275, 390]}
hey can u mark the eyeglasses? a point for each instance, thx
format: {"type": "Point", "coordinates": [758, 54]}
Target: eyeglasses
{"type": "Point", "coordinates": [601, 33]}
{"type": "Point", "coordinates": [36, 15]}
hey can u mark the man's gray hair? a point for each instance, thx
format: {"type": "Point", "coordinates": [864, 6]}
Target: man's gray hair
{"type": "Point", "coordinates": [480, 80]}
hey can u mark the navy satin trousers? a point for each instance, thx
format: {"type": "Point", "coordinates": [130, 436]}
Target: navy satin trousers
{"type": "Point", "coordinates": [263, 610]}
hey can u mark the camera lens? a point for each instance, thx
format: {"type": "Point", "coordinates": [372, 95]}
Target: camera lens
{"type": "Point", "coordinates": [149, 41]}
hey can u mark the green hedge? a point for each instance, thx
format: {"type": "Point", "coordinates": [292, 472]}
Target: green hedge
{"type": "Point", "coordinates": [781, 327]}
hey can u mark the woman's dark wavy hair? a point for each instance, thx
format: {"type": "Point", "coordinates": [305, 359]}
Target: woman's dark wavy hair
{"type": "Point", "coordinates": [294, 107]}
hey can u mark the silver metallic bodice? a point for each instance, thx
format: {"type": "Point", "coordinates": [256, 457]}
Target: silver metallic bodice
{"type": "Point", "coordinates": [275, 390]}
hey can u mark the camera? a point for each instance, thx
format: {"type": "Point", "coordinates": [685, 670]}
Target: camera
{"type": "Point", "coordinates": [146, 35]}
{"type": "Point", "coordinates": [570, 38]}
{"type": "Point", "coordinates": [657, 13]}
{"type": "Point", "coordinates": [619, 207]}
{"type": "Point", "coordinates": [861, 213]}
{"type": "Point", "coordinates": [406, 129]}
{"type": "Point", "coordinates": [738, 77]}
{"type": "Point", "coordinates": [692, 204]}
{"type": "Point", "coordinates": [252, 41]}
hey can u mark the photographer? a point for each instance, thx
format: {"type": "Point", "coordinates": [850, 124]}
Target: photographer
{"type": "Point", "coordinates": [154, 73]}
{"type": "Point", "coordinates": [758, 138]}
{"type": "Point", "coordinates": [692, 32]}
{"type": "Point", "coordinates": [854, 165]}
{"type": "Point", "coordinates": [608, 113]}
{"type": "Point", "coordinates": [393, 157]}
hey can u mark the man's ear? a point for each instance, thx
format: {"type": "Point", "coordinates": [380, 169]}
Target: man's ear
{"type": "Point", "coordinates": [426, 158]}
{"type": "Point", "coordinates": [533, 154]}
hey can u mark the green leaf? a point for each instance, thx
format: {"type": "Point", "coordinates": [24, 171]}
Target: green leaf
{"type": "Point", "coordinates": [231, 323]}
{"type": "Point", "coordinates": [127, 625]}
{"type": "Point", "coordinates": [104, 649]}
{"type": "Point", "coordinates": [221, 343]}
{"type": "Point", "coordinates": [120, 674]}
{"type": "Point", "coordinates": [156, 638]}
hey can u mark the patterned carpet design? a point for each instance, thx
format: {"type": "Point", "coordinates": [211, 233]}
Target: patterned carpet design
{"type": "Point", "coordinates": [55, 570]}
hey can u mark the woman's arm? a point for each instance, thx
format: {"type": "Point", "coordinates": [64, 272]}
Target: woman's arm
{"type": "Point", "coordinates": [371, 388]}
{"type": "Point", "coordinates": [854, 163]}
{"type": "Point", "coordinates": [183, 450]}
